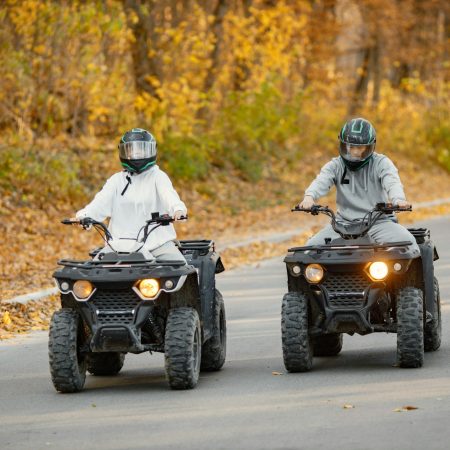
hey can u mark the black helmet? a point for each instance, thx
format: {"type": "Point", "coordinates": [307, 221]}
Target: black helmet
{"type": "Point", "coordinates": [357, 142]}
{"type": "Point", "coordinates": [137, 150]}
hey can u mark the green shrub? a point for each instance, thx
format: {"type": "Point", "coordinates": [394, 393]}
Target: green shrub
{"type": "Point", "coordinates": [39, 177]}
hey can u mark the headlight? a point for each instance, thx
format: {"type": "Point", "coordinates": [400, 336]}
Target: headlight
{"type": "Point", "coordinates": [378, 270]}
{"type": "Point", "coordinates": [314, 273]}
{"type": "Point", "coordinates": [82, 289]}
{"type": "Point", "coordinates": [149, 287]}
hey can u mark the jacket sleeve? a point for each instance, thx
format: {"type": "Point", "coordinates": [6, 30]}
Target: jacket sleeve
{"type": "Point", "coordinates": [168, 196]}
{"type": "Point", "coordinates": [390, 181]}
{"type": "Point", "coordinates": [323, 182]}
{"type": "Point", "coordinates": [101, 206]}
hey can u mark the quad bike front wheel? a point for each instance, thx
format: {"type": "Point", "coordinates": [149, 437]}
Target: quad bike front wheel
{"type": "Point", "coordinates": [296, 343]}
{"type": "Point", "coordinates": [410, 341]}
{"type": "Point", "coordinates": [67, 364]}
{"type": "Point", "coordinates": [214, 349]}
{"type": "Point", "coordinates": [183, 348]}
{"type": "Point", "coordinates": [433, 328]}
{"type": "Point", "coordinates": [104, 364]}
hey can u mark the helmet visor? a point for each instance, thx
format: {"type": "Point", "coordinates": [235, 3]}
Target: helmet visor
{"type": "Point", "coordinates": [356, 153]}
{"type": "Point", "coordinates": [137, 149]}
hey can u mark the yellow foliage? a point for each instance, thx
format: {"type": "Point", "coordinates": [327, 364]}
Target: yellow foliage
{"type": "Point", "coordinates": [6, 319]}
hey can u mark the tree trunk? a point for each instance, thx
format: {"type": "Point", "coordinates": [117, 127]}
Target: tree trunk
{"type": "Point", "coordinates": [145, 65]}
{"type": "Point", "coordinates": [360, 90]}
{"type": "Point", "coordinates": [376, 70]}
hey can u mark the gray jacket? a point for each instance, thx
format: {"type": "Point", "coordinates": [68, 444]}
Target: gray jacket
{"type": "Point", "coordinates": [358, 191]}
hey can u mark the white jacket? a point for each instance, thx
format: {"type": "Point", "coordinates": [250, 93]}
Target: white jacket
{"type": "Point", "coordinates": [150, 191]}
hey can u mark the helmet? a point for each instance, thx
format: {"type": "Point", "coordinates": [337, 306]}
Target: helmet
{"type": "Point", "coordinates": [356, 143]}
{"type": "Point", "coordinates": [137, 150]}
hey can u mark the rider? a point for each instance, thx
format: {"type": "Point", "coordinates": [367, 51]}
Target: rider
{"type": "Point", "coordinates": [362, 178]}
{"type": "Point", "coordinates": [131, 196]}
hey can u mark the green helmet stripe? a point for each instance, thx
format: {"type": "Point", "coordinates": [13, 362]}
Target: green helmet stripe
{"type": "Point", "coordinates": [353, 130]}
{"type": "Point", "coordinates": [128, 167]}
{"type": "Point", "coordinates": [148, 165]}
{"type": "Point", "coordinates": [131, 169]}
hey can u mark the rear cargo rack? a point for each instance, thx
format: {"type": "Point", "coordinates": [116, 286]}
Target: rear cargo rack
{"type": "Point", "coordinates": [420, 234]}
{"type": "Point", "coordinates": [196, 248]}
{"type": "Point", "coordinates": [202, 244]}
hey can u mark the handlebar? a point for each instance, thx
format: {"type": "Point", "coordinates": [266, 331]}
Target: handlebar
{"type": "Point", "coordinates": [314, 210]}
{"type": "Point", "coordinates": [157, 219]}
{"type": "Point", "coordinates": [163, 220]}
{"type": "Point", "coordinates": [361, 226]}
{"type": "Point", "coordinates": [389, 207]}
{"type": "Point", "coordinates": [86, 223]}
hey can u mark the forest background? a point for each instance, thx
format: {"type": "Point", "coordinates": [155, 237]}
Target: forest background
{"type": "Point", "coordinates": [245, 98]}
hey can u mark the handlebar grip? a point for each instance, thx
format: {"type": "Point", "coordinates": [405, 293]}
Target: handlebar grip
{"type": "Point", "coordinates": [389, 207]}
{"type": "Point", "coordinates": [313, 208]}
{"type": "Point", "coordinates": [69, 222]}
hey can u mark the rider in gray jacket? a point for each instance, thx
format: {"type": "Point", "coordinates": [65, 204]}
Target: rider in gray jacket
{"type": "Point", "coordinates": [362, 178]}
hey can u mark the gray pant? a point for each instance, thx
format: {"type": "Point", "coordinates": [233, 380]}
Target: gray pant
{"type": "Point", "coordinates": [381, 233]}
{"type": "Point", "coordinates": [166, 252]}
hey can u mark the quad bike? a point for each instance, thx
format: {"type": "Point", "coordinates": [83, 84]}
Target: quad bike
{"type": "Point", "coordinates": [352, 285]}
{"type": "Point", "coordinates": [120, 302]}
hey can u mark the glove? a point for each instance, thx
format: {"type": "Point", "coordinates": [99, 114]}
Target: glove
{"type": "Point", "coordinates": [307, 203]}
{"type": "Point", "coordinates": [178, 215]}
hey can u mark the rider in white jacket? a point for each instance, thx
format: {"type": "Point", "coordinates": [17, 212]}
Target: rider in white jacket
{"type": "Point", "coordinates": [130, 197]}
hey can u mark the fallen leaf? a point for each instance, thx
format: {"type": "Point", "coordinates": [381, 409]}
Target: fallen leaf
{"type": "Point", "coordinates": [277, 373]}
{"type": "Point", "coordinates": [348, 406]}
{"type": "Point", "coordinates": [405, 408]}
{"type": "Point", "coordinates": [6, 318]}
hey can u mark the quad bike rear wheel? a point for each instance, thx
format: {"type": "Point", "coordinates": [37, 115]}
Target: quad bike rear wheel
{"type": "Point", "coordinates": [214, 349]}
{"type": "Point", "coordinates": [327, 344]}
{"type": "Point", "coordinates": [433, 328]}
{"type": "Point", "coordinates": [108, 363]}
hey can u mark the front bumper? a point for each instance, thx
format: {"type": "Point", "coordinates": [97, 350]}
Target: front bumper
{"type": "Point", "coordinates": [345, 301]}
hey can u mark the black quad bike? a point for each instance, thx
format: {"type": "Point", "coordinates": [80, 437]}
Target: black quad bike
{"type": "Point", "coordinates": [120, 302]}
{"type": "Point", "coordinates": [352, 285]}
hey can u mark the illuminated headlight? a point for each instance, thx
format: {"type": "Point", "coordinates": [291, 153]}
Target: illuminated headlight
{"type": "Point", "coordinates": [314, 273]}
{"type": "Point", "coordinates": [378, 270]}
{"type": "Point", "coordinates": [149, 287]}
{"type": "Point", "coordinates": [82, 289]}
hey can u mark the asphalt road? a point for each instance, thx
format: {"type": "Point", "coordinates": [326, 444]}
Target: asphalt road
{"type": "Point", "coordinates": [252, 403]}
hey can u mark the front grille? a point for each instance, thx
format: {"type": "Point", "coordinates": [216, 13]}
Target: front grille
{"type": "Point", "coordinates": [115, 306]}
{"type": "Point", "coordinates": [346, 302]}
{"type": "Point", "coordinates": [345, 290]}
